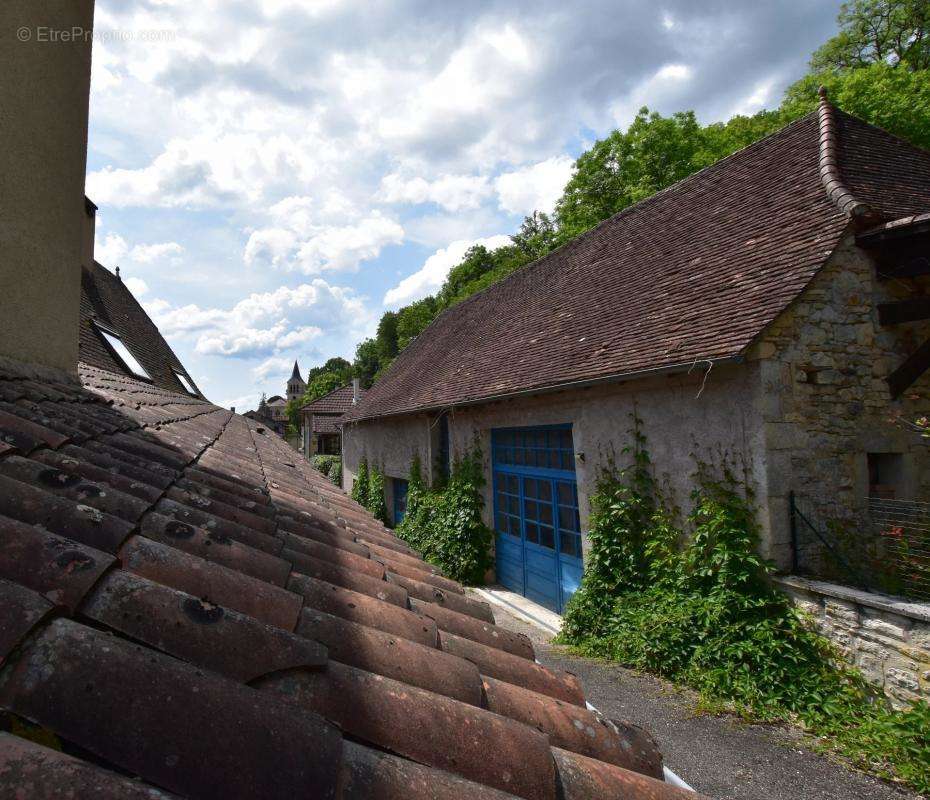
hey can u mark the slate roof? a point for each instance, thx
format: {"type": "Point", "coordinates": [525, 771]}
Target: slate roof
{"type": "Point", "coordinates": [295, 373]}
{"type": "Point", "coordinates": [188, 605]}
{"type": "Point", "coordinates": [105, 299]}
{"type": "Point", "coordinates": [693, 273]}
{"type": "Point", "coordinates": [338, 401]}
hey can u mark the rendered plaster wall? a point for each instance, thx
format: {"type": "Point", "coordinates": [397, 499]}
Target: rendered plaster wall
{"type": "Point", "coordinates": [676, 422]}
{"type": "Point", "coordinates": [825, 401]}
{"type": "Point", "coordinates": [44, 95]}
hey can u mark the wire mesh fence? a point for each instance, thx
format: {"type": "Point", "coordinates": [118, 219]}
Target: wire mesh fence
{"type": "Point", "coordinates": [887, 551]}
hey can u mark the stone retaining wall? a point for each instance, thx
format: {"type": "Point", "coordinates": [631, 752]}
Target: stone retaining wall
{"type": "Point", "coordinates": [886, 638]}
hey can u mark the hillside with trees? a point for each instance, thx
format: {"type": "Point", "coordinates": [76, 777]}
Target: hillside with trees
{"type": "Point", "coordinates": [877, 67]}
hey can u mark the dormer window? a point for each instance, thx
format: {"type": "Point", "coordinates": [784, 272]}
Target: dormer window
{"type": "Point", "coordinates": [123, 355]}
{"type": "Point", "coordinates": [186, 382]}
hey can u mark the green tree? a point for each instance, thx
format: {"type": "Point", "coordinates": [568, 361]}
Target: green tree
{"type": "Point", "coordinates": [412, 319]}
{"type": "Point", "coordinates": [626, 167]}
{"type": "Point", "coordinates": [893, 32]}
{"type": "Point", "coordinates": [897, 100]}
{"type": "Point", "coordinates": [323, 384]}
{"type": "Point", "coordinates": [367, 362]}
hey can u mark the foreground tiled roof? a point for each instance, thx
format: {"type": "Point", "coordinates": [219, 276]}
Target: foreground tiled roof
{"type": "Point", "coordinates": [105, 299]}
{"type": "Point", "coordinates": [187, 605]}
{"type": "Point", "coordinates": [693, 273]}
{"type": "Point", "coordinates": [338, 401]}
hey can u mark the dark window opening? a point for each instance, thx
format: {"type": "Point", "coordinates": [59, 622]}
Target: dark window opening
{"type": "Point", "coordinates": [886, 475]}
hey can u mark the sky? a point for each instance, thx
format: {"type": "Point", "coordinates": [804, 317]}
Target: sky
{"type": "Point", "coordinates": [273, 175]}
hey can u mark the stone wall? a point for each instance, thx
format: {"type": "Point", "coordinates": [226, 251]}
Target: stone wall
{"type": "Point", "coordinates": [825, 401]}
{"type": "Point", "coordinates": [679, 419]}
{"type": "Point", "coordinates": [887, 639]}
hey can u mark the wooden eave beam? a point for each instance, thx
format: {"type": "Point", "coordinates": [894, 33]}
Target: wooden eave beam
{"type": "Point", "coordinates": [911, 310]}
{"type": "Point", "coordinates": [913, 367]}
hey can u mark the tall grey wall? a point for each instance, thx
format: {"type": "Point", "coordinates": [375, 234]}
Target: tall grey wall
{"type": "Point", "coordinates": [44, 95]}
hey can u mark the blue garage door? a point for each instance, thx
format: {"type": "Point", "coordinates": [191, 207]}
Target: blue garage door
{"type": "Point", "coordinates": [538, 532]}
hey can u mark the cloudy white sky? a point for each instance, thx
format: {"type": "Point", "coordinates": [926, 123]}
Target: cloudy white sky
{"type": "Point", "coordinates": [273, 175]}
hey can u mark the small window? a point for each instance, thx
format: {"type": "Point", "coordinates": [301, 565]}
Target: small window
{"type": "Point", "coordinates": [886, 475]}
{"type": "Point", "coordinates": [123, 353]}
{"type": "Point", "coordinates": [186, 382]}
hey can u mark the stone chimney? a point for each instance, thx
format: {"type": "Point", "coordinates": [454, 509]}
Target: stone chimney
{"type": "Point", "coordinates": [44, 95]}
{"type": "Point", "coordinates": [356, 390]}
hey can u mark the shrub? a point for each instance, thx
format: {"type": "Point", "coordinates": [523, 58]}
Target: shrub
{"type": "Point", "coordinates": [330, 466]}
{"type": "Point", "coordinates": [445, 525]}
{"type": "Point", "coordinates": [360, 485]}
{"type": "Point", "coordinates": [702, 611]}
{"type": "Point", "coordinates": [375, 500]}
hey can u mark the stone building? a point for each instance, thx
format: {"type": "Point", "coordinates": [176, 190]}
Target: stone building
{"type": "Point", "coordinates": [770, 309]}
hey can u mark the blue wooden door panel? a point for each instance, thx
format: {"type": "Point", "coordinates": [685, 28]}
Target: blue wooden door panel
{"type": "Point", "coordinates": [536, 513]}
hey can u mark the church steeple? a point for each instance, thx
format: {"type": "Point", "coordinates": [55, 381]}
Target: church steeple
{"type": "Point", "coordinates": [295, 384]}
{"type": "Point", "coordinates": [295, 375]}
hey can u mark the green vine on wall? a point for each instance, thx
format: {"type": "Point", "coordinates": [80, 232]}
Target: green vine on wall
{"type": "Point", "coordinates": [701, 610]}
{"type": "Point", "coordinates": [444, 524]}
{"type": "Point", "coordinates": [368, 490]}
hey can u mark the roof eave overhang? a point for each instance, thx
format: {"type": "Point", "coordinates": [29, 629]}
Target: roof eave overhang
{"type": "Point", "coordinates": [622, 377]}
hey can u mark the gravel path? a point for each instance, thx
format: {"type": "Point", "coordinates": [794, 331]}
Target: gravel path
{"type": "Point", "coordinates": [718, 755]}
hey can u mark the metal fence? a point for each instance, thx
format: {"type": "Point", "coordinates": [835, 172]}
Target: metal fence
{"type": "Point", "coordinates": [888, 551]}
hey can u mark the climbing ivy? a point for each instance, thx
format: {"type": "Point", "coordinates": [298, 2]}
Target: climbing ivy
{"type": "Point", "coordinates": [701, 610]}
{"type": "Point", "coordinates": [330, 466]}
{"type": "Point", "coordinates": [445, 525]}
{"type": "Point", "coordinates": [368, 489]}
{"type": "Point", "coordinates": [375, 497]}
{"type": "Point", "coordinates": [360, 484]}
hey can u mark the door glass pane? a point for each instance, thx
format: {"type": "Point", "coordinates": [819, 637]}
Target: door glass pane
{"type": "Point", "coordinates": [547, 537]}
{"type": "Point", "coordinates": [532, 532]}
{"type": "Point", "coordinates": [545, 514]}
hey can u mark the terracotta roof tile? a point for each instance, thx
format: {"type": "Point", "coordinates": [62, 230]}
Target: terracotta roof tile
{"type": "Point", "coordinates": [693, 273]}
{"type": "Point", "coordinates": [175, 564]}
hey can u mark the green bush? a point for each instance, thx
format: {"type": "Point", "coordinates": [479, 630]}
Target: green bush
{"type": "Point", "coordinates": [702, 611]}
{"type": "Point", "coordinates": [445, 525]}
{"type": "Point", "coordinates": [330, 466]}
{"type": "Point", "coordinates": [360, 484]}
{"type": "Point", "coordinates": [375, 497]}
{"type": "Point", "coordinates": [368, 489]}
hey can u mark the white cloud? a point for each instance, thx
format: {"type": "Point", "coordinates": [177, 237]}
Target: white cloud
{"type": "Point", "coordinates": [534, 188]}
{"type": "Point", "coordinates": [303, 238]}
{"type": "Point", "coordinates": [266, 323]}
{"type": "Point", "coordinates": [452, 192]}
{"type": "Point", "coordinates": [115, 251]}
{"type": "Point", "coordinates": [137, 286]}
{"type": "Point", "coordinates": [430, 276]}
{"type": "Point", "coordinates": [273, 367]}
{"type": "Point", "coordinates": [148, 253]}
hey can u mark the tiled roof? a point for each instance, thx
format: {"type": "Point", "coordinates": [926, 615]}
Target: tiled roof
{"type": "Point", "coordinates": [338, 401]}
{"type": "Point", "coordinates": [693, 273]}
{"type": "Point", "coordinates": [188, 605]}
{"type": "Point", "coordinates": [105, 298]}
{"type": "Point", "coordinates": [276, 400]}
{"type": "Point", "coordinates": [326, 423]}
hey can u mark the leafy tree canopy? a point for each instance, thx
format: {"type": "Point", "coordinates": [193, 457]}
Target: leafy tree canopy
{"type": "Point", "coordinates": [890, 32]}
